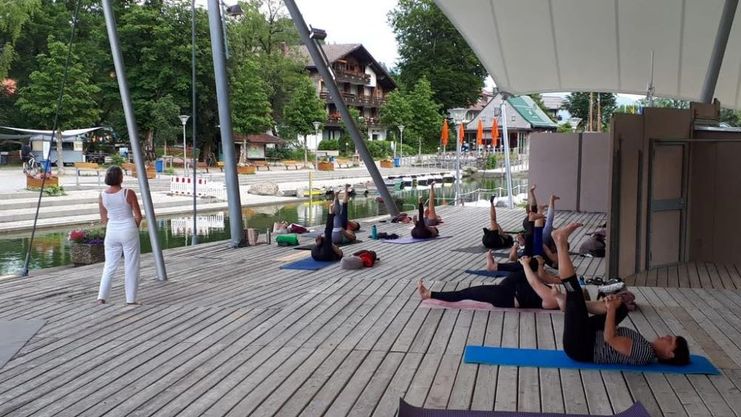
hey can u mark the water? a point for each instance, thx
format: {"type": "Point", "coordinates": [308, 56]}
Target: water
{"type": "Point", "coordinates": [51, 248]}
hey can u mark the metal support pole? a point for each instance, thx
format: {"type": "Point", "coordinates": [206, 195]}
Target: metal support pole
{"type": "Point", "coordinates": [194, 241]}
{"type": "Point", "coordinates": [719, 49]}
{"type": "Point", "coordinates": [225, 122]}
{"type": "Point", "coordinates": [328, 79]}
{"type": "Point", "coordinates": [457, 165]}
{"type": "Point", "coordinates": [123, 88]}
{"type": "Point", "coordinates": [505, 139]}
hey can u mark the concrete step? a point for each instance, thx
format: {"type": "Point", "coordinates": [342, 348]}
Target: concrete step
{"type": "Point", "coordinates": [71, 209]}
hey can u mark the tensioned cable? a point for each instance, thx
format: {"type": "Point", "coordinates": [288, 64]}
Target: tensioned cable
{"type": "Point", "coordinates": [55, 126]}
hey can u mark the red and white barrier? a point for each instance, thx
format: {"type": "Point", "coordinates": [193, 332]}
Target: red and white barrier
{"type": "Point", "coordinates": [204, 188]}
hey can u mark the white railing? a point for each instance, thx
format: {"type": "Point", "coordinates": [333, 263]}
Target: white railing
{"type": "Point", "coordinates": [204, 188]}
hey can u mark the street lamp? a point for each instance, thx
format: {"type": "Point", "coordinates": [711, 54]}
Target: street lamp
{"type": "Point", "coordinates": [401, 145]}
{"type": "Point", "coordinates": [184, 119]}
{"type": "Point", "coordinates": [457, 114]}
{"type": "Point", "coordinates": [574, 122]}
{"type": "Point", "coordinates": [316, 138]}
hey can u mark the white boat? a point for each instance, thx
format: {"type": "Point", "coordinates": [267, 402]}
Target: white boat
{"type": "Point", "coordinates": [448, 177]}
{"type": "Point", "coordinates": [407, 182]}
{"type": "Point", "coordinates": [423, 181]}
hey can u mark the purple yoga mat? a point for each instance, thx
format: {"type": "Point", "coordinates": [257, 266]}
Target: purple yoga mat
{"type": "Point", "coordinates": [408, 239]}
{"type": "Point", "coordinates": [406, 410]}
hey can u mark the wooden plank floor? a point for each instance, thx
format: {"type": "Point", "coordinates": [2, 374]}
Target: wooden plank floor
{"type": "Point", "coordinates": [232, 334]}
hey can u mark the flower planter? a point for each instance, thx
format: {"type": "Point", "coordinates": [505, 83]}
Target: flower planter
{"type": "Point", "coordinates": [325, 166]}
{"type": "Point", "coordinates": [246, 169]}
{"type": "Point", "coordinates": [86, 253]}
{"type": "Point", "coordinates": [33, 182]}
{"type": "Point", "coordinates": [387, 163]}
{"type": "Point", "coordinates": [151, 173]}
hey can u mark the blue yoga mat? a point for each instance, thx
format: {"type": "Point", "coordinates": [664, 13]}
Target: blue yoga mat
{"type": "Point", "coordinates": [307, 264]}
{"type": "Point", "coordinates": [485, 273]}
{"type": "Point", "coordinates": [408, 239]}
{"type": "Point", "coordinates": [558, 359]}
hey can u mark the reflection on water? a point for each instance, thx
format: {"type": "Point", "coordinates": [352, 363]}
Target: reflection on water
{"type": "Point", "coordinates": [52, 249]}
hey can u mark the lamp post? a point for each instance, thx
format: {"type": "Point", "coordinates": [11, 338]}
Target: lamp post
{"type": "Point", "coordinates": [401, 145]}
{"type": "Point", "coordinates": [316, 137]}
{"type": "Point", "coordinates": [184, 119]}
{"type": "Point", "coordinates": [505, 141]}
{"type": "Point", "coordinates": [574, 122]}
{"type": "Point", "coordinates": [457, 114]}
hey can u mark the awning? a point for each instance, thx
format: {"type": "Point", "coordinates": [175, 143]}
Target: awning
{"type": "Point", "coordinates": [65, 133]}
{"type": "Point", "coordinates": [533, 46]}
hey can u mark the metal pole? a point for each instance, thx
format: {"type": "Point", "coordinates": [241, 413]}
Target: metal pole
{"type": "Point", "coordinates": [225, 122]}
{"type": "Point", "coordinates": [123, 88]}
{"type": "Point", "coordinates": [457, 165]}
{"type": "Point", "coordinates": [193, 114]}
{"type": "Point", "coordinates": [505, 139]}
{"type": "Point", "coordinates": [321, 66]}
{"type": "Point", "coordinates": [185, 154]}
{"type": "Point", "coordinates": [719, 50]}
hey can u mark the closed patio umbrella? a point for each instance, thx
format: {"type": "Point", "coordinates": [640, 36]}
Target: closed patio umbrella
{"type": "Point", "coordinates": [494, 133]}
{"type": "Point", "coordinates": [480, 134]}
{"type": "Point", "coordinates": [461, 133]}
{"type": "Point", "coordinates": [444, 134]}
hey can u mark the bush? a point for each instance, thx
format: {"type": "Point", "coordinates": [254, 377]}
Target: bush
{"type": "Point", "coordinates": [278, 153]}
{"type": "Point", "coordinates": [491, 162]}
{"type": "Point", "coordinates": [117, 159]}
{"type": "Point", "coordinates": [379, 149]}
{"type": "Point", "coordinates": [329, 145]}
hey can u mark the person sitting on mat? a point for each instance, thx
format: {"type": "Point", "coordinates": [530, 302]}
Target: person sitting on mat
{"type": "Point", "coordinates": [340, 233]}
{"type": "Point", "coordinates": [494, 235]}
{"type": "Point", "coordinates": [421, 229]}
{"type": "Point", "coordinates": [324, 249]}
{"type": "Point", "coordinates": [431, 217]}
{"type": "Point", "coordinates": [597, 338]}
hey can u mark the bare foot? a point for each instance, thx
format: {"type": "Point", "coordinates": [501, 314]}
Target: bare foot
{"type": "Point", "coordinates": [555, 197]}
{"type": "Point", "coordinates": [424, 293]}
{"type": "Point", "coordinates": [99, 302]}
{"type": "Point", "coordinates": [533, 216]}
{"type": "Point", "coordinates": [491, 264]}
{"type": "Point", "coordinates": [562, 233]}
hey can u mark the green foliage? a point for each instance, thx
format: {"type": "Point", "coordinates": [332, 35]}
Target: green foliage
{"type": "Point", "coordinates": [329, 145]}
{"type": "Point", "coordinates": [117, 159]}
{"type": "Point", "coordinates": [54, 191]}
{"type": "Point", "coordinates": [304, 108]}
{"type": "Point", "coordinates": [250, 105]}
{"type": "Point", "coordinates": [15, 14]}
{"type": "Point", "coordinates": [38, 99]}
{"type": "Point", "coordinates": [418, 112]}
{"type": "Point", "coordinates": [379, 149]}
{"type": "Point", "coordinates": [666, 103]}
{"type": "Point", "coordinates": [538, 99]}
{"type": "Point", "coordinates": [491, 161]}
{"type": "Point", "coordinates": [578, 105]}
{"type": "Point", "coordinates": [170, 171]}
{"type": "Point", "coordinates": [430, 46]}
{"type": "Point", "coordinates": [730, 116]}
{"type": "Point", "coordinates": [564, 128]}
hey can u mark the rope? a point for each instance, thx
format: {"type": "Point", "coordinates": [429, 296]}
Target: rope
{"type": "Point", "coordinates": [55, 126]}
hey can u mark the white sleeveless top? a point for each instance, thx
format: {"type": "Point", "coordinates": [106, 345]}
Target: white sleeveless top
{"type": "Point", "coordinates": [119, 210]}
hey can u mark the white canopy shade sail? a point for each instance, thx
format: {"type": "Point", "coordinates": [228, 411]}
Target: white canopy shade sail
{"type": "Point", "coordinates": [65, 133]}
{"type": "Point", "coordinates": [531, 46]}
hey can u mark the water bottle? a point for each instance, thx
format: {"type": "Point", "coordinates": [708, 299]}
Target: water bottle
{"type": "Point", "coordinates": [374, 232]}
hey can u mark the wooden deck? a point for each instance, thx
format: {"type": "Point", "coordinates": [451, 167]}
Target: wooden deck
{"type": "Point", "coordinates": [231, 334]}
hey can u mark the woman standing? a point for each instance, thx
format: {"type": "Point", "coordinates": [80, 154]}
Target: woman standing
{"type": "Point", "coordinates": [119, 211]}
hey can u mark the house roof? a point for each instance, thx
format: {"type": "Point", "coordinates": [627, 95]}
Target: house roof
{"type": "Point", "coordinates": [606, 46]}
{"type": "Point", "coordinates": [553, 102]}
{"type": "Point", "coordinates": [263, 138]}
{"type": "Point", "coordinates": [531, 112]}
{"type": "Point", "coordinates": [522, 114]}
{"type": "Point", "coordinates": [337, 51]}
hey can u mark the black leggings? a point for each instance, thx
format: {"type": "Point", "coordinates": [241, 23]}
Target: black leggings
{"type": "Point", "coordinates": [420, 230]}
{"type": "Point", "coordinates": [325, 251]}
{"type": "Point", "coordinates": [580, 330]}
{"type": "Point", "coordinates": [501, 295]}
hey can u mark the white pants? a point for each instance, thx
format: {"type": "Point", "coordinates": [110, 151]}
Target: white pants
{"type": "Point", "coordinates": [121, 237]}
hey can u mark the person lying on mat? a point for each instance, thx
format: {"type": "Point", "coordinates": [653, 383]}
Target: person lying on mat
{"type": "Point", "coordinates": [494, 236]}
{"type": "Point", "coordinates": [597, 338]}
{"type": "Point", "coordinates": [340, 233]}
{"type": "Point", "coordinates": [430, 216]}
{"type": "Point", "coordinates": [533, 247]}
{"type": "Point", "coordinates": [324, 249]}
{"type": "Point", "coordinates": [421, 229]}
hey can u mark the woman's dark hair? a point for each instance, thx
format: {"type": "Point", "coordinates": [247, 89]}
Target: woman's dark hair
{"type": "Point", "coordinates": [114, 175]}
{"type": "Point", "coordinates": [681, 354]}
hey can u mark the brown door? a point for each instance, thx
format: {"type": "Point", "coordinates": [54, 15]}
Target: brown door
{"type": "Point", "coordinates": [667, 203]}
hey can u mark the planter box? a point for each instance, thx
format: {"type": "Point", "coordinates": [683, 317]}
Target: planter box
{"type": "Point", "coordinates": [247, 169]}
{"type": "Point", "coordinates": [151, 173]}
{"type": "Point", "coordinates": [387, 163]}
{"type": "Point", "coordinates": [326, 166]}
{"type": "Point", "coordinates": [86, 254]}
{"type": "Point", "coordinates": [32, 182]}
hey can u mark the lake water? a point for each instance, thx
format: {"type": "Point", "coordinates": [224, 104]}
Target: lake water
{"type": "Point", "coordinates": [51, 248]}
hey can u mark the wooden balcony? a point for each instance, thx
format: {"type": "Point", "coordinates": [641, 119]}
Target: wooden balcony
{"type": "Point", "coordinates": [356, 100]}
{"type": "Point", "coordinates": [356, 78]}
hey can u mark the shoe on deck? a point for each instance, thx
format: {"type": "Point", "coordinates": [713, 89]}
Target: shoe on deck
{"type": "Point", "coordinates": [611, 288]}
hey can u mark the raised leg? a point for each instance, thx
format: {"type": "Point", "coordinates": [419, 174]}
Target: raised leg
{"type": "Point", "coordinates": [544, 292]}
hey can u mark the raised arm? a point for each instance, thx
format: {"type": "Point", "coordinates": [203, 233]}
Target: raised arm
{"type": "Point", "coordinates": [621, 344]}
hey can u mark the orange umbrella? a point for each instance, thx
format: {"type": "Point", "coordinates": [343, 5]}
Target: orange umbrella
{"type": "Point", "coordinates": [494, 133]}
{"type": "Point", "coordinates": [480, 134]}
{"type": "Point", "coordinates": [461, 133]}
{"type": "Point", "coordinates": [444, 133]}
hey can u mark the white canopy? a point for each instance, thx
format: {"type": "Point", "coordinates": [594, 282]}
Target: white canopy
{"type": "Point", "coordinates": [600, 45]}
{"type": "Point", "coordinates": [65, 133]}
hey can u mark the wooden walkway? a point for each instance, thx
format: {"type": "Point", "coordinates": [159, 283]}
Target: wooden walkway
{"type": "Point", "coordinates": [233, 335]}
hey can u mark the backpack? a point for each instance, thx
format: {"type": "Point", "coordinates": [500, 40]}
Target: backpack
{"type": "Point", "coordinates": [368, 257]}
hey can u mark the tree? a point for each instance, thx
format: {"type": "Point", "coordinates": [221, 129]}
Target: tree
{"type": "Point", "coordinates": [15, 14]}
{"type": "Point", "coordinates": [250, 105]}
{"type": "Point", "coordinates": [666, 102]}
{"type": "Point", "coordinates": [538, 99]}
{"type": "Point", "coordinates": [578, 105]}
{"type": "Point", "coordinates": [430, 46]}
{"type": "Point", "coordinates": [302, 110]}
{"type": "Point", "coordinates": [417, 111]}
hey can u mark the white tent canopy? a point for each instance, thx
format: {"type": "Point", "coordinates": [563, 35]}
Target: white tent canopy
{"type": "Point", "coordinates": [65, 133]}
{"type": "Point", "coordinates": [600, 45]}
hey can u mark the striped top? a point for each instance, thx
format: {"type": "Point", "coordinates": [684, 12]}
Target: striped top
{"type": "Point", "coordinates": [641, 352]}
